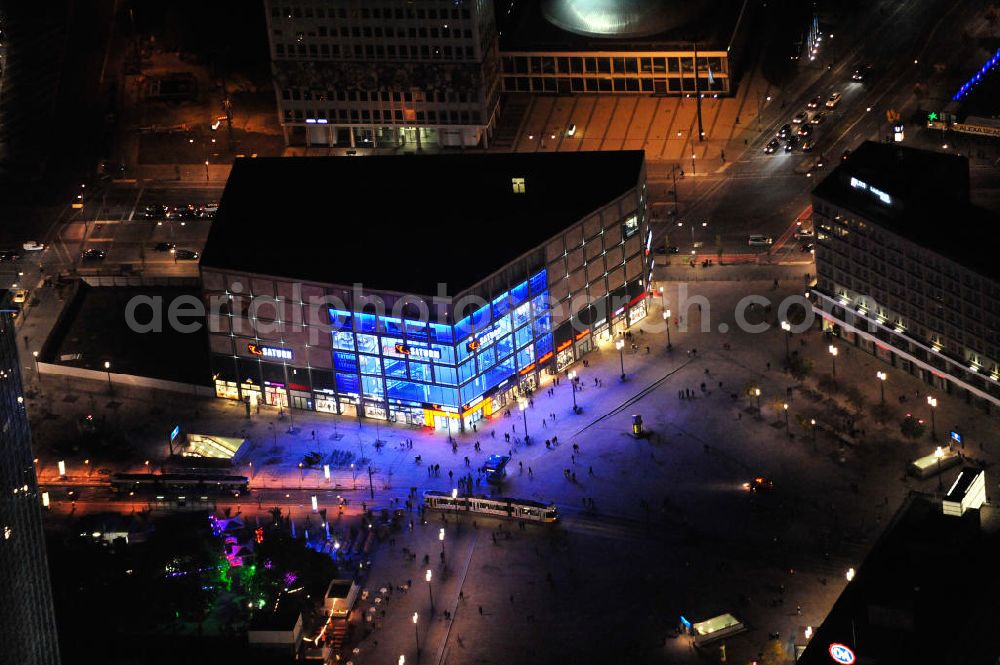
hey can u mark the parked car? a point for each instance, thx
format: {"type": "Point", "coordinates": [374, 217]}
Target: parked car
{"type": "Point", "coordinates": [670, 249]}
{"type": "Point", "coordinates": [804, 233]}
{"type": "Point", "coordinates": [186, 255]}
{"type": "Point", "coordinates": [758, 484]}
{"type": "Point", "coordinates": [93, 255]}
{"type": "Point", "coordinates": [757, 240]}
{"type": "Point", "coordinates": [164, 246]}
{"type": "Point", "coordinates": [208, 210]}
{"type": "Point", "coordinates": [155, 211]}
{"type": "Point", "coordinates": [33, 246]}
{"type": "Point", "coordinates": [807, 247]}
{"type": "Point", "coordinates": [183, 212]}
{"type": "Point", "coordinates": [20, 296]}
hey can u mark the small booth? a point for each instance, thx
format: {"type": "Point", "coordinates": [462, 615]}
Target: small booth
{"type": "Point", "coordinates": [935, 463]}
{"type": "Point", "coordinates": [340, 597]}
{"type": "Point", "coordinates": [967, 492]}
{"type": "Point", "coordinates": [716, 628]}
{"type": "Point", "coordinates": [210, 447]}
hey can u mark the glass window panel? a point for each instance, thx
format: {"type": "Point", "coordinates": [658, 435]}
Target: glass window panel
{"type": "Point", "coordinates": [486, 359]}
{"type": "Point", "coordinates": [447, 353]}
{"type": "Point", "coordinates": [420, 371]}
{"type": "Point", "coordinates": [370, 365]}
{"type": "Point", "coordinates": [522, 315]}
{"type": "Point", "coordinates": [372, 386]}
{"type": "Point", "coordinates": [540, 303]}
{"type": "Point", "coordinates": [519, 293]}
{"type": "Point", "coordinates": [441, 332]}
{"type": "Point", "coordinates": [392, 325]}
{"type": "Point", "coordinates": [463, 351]}
{"type": "Point", "coordinates": [367, 343]}
{"type": "Point", "coordinates": [345, 362]}
{"type": "Point", "coordinates": [481, 317]}
{"type": "Point", "coordinates": [463, 328]}
{"type": "Point", "coordinates": [501, 305]}
{"type": "Point", "coordinates": [365, 322]}
{"type": "Point", "coordinates": [543, 324]}
{"type": "Point", "coordinates": [538, 281]}
{"type": "Point", "coordinates": [339, 319]}
{"type": "Point", "coordinates": [440, 395]}
{"type": "Point", "coordinates": [416, 330]}
{"type": "Point", "coordinates": [523, 336]}
{"type": "Point", "coordinates": [466, 370]}
{"type": "Point", "coordinates": [525, 357]}
{"type": "Point", "coordinates": [505, 346]}
{"type": "Point", "coordinates": [389, 347]}
{"type": "Point", "coordinates": [446, 375]}
{"type": "Point", "coordinates": [347, 383]}
{"type": "Point", "coordinates": [543, 345]}
{"type": "Point", "coordinates": [395, 367]}
{"type": "Point", "coordinates": [343, 340]}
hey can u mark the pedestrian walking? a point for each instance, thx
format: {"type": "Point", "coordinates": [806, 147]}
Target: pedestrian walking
{"type": "Point", "coordinates": [481, 609]}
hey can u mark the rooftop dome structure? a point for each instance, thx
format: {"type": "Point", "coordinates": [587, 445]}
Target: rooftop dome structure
{"type": "Point", "coordinates": [619, 18]}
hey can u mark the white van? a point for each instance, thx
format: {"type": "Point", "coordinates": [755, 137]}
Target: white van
{"type": "Point", "coordinates": [757, 240]}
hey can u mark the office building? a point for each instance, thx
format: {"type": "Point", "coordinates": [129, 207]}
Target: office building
{"type": "Point", "coordinates": [905, 270]}
{"type": "Point", "coordinates": [27, 619]}
{"type": "Point", "coordinates": [386, 74]}
{"type": "Point", "coordinates": [445, 283]}
{"type": "Point", "coordinates": [626, 47]}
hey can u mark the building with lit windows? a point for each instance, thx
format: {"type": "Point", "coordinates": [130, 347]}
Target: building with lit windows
{"type": "Point", "coordinates": [27, 618]}
{"type": "Point", "coordinates": [428, 290]}
{"type": "Point", "coordinates": [366, 74]}
{"type": "Point", "coordinates": [905, 269]}
{"type": "Point", "coordinates": [623, 46]}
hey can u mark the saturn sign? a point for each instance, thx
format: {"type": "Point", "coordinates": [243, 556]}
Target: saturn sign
{"type": "Point", "coordinates": [842, 654]}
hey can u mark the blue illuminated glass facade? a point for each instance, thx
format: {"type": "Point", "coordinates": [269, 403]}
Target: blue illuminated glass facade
{"type": "Point", "coordinates": [434, 365]}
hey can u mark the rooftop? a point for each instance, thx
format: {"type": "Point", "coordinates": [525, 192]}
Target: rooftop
{"type": "Point", "coordinates": [910, 604]}
{"type": "Point", "coordinates": [406, 223]}
{"type": "Point", "coordinates": [618, 25]}
{"type": "Point", "coordinates": [915, 194]}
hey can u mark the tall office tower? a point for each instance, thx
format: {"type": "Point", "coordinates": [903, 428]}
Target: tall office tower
{"type": "Point", "coordinates": [27, 618]}
{"type": "Point", "coordinates": [385, 73]}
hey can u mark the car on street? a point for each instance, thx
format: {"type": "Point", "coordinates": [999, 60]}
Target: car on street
{"type": "Point", "coordinates": [758, 484]}
{"type": "Point", "coordinates": [805, 131]}
{"type": "Point", "coordinates": [833, 100]}
{"type": "Point", "coordinates": [772, 146]}
{"type": "Point", "coordinates": [155, 211]}
{"type": "Point", "coordinates": [807, 247]}
{"type": "Point", "coordinates": [815, 102]}
{"type": "Point", "coordinates": [186, 255]}
{"type": "Point", "coordinates": [33, 246]}
{"type": "Point", "coordinates": [818, 118]}
{"type": "Point", "coordinates": [9, 255]}
{"type": "Point", "coordinates": [164, 246]}
{"type": "Point", "coordinates": [20, 296]}
{"type": "Point", "coordinates": [800, 118]}
{"type": "Point", "coordinates": [758, 240]}
{"type": "Point", "coordinates": [93, 255]}
{"type": "Point", "coordinates": [208, 210]}
{"type": "Point", "coordinates": [808, 145]}
{"type": "Point", "coordinates": [784, 132]}
{"type": "Point", "coordinates": [791, 144]}
{"type": "Point", "coordinates": [861, 73]}
{"type": "Point", "coordinates": [844, 155]}
{"type": "Point", "coordinates": [669, 249]}
{"type": "Point", "coordinates": [804, 233]}
{"type": "Point", "coordinates": [183, 212]}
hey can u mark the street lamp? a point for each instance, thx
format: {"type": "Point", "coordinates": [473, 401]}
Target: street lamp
{"type": "Point", "coordinates": [812, 424]}
{"type": "Point", "coordinates": [620, 345]}
{"type": "Point", "coordinates": [850, 574]}
{"type": "Point", "coordinates": [787, 327]}
{"type": "Point", "coordinates": [571, 375]}
{"type": "Point", "coordinates": [86, 463]}
{"type": "Point", "coordinates": [932, 402]}
{"type": "Point", "coordinates": [938, 455]}
{"type": "Point", "coordinates": [416, 635]}
{"type": "Point", "coordinates": [107, 368]}
{"type": "Point", "coordinates": [833, 355]}
{"type": "Point", "coordinates": [882, 376]}
{"type": "Point", "coordinates": [441, 538]}
{"type": "Point", "coordinates": [756, 391]}
{"type": "Point", "coordinates": [523, 404]}
{"type": "Point", "coordinates": [251, 469]}
{"type": "Point", "coordinates": [666, 317]}
{"type": "Point", "coordinates": [302, 474]}
{"type": "Point", "coordinates": [430, 593]}
{"type": "Point", "coordinates": [787, 428]}
{"type": "Point", "coordinates": [35, 354]}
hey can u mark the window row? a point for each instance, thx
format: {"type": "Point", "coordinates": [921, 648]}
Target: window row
{"type": "Point", "coordinates": [579, 84]}
{"type": "Point", "coordinates": [375, 51]}
{"type": "Point", "coordinates": [376, 115]}
{"type": "Point", "coordinates": [398, 96]}
{"type": "Point", "coordinates": [379, 32]}
{"type": "Point", "coordinates": [609, 65]}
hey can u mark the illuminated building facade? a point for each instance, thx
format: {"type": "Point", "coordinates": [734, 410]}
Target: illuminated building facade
{"type": "Point", "coordinates": [900, 272]}
{"type": "Point", "coordinates": [629, 47]}
{"type": "Point", "coordinates": [27, 619]}
{"type": "Point", "coordinates": [439, 304]}
{"type": "Point", "coordinates": [385, 74]}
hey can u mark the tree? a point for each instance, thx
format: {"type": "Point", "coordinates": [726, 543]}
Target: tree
{"type": "Point", "coordinates": [774, 653]}
{"type": "Point", "coordinates": [799, 367]}
{"type": "Point", "coordinates": [855, 397]}
{"type": "Point", "coordinates": [912, 428]}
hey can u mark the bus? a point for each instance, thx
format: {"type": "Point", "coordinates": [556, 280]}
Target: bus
{"type": "Point", "coordinates": [175, 485]}
{"type": "Point", "coordinates": [515, 509]}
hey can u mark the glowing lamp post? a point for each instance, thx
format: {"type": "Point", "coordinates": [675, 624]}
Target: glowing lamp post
{"type": "Point", "coordinates": [107, 368]}
{"type": "Point", "coordinates": [850, 574]}
{"type": "Point", "coordinates": [666, 317]}
{"type": "Point", "coordinates": [416, 635]}
{"type": "Point", "coordinates": [787, 428]}
{"type": "Point", "coordinates": [427, 576]}
{"type": "Point", "coordinates": [441, 538]}
{"type": "Point", "coordinates": [932, 402]}
{"type": "Point", "coordinates": [812, 425]}
{"type": "Point", "coordinates": [881, 376]}
{"type": "Point", "coordinates": [523, 404]}
{"type": "Point", "coordinates": [787, 327]}
{"type": "Point", "coordinates": [756, 392]}
{"type": "Point", "coordinates": [833, 357]}
{"type": "Point", "coordinates": [572, 385]}
{"type": "Point", "coordinates": [620, 345]}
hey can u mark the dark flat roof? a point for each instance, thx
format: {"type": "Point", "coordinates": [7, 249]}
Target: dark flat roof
{"type": "Point", "coordinates": [405, 223]}
{"type": "Point", "coordinates": [930, 204]}
{"type": "Point", "coordinates": [527, 29]}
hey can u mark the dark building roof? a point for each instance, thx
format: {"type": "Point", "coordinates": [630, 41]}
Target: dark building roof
{"type": "Point", "coordinates": [926, 594]}
{"type": "Point", "coordinates": [282, 619]}
{"type": "Point", "coordinates": [614, 25]}
{"type": "Point", "coordinates": [920, 195]}
{"type": "Point", "coordinates": [405, 223]}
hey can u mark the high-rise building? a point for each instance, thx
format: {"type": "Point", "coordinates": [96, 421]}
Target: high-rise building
{"type": "Point", "coordinates": [386, 74]}
{"type": "Point", "coordinates": [27, 619]}
{"type": "Point", "coordinates": [905, 269]}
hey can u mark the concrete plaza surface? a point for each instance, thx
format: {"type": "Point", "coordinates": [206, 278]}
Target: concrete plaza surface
{"type": "Point", "coordinates": [671, 531]}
